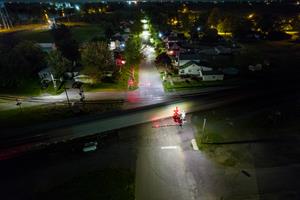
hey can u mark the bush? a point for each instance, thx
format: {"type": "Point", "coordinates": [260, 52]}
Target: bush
{"type": "Point", "coordinates": [278, 35]}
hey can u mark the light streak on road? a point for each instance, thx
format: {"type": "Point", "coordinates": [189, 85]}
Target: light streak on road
{"type": "Point", "coordinates": [169, 147]}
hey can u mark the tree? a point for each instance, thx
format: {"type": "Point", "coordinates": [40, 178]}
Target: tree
{"type": "Point", "coordinates": [267, 23]}
{"type": "Point", "coordinates": [96, 59]}
{"type": "Point", "coordinates": [109, 32]}
{"type": "Point", "coordinates": [241, 27]}
{"type": "Point", "coordinates": [65, 43]}
{"type": "Point", "coordinates": [58, 63]}
{"type": "Point", "coordinates": [211, 35]}
{"type": "Point", "coordinates": [20, 64]}
{"type": "Point", "coordinates": [226, 25]}
{"type": "Point", "coordinates": [32, 55]}
{"type": "Point", "coordinates": [132, 50]}
{"type": "Point", "coordinates": [213, 18]}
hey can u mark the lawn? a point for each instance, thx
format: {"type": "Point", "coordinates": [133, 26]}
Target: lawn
{"type": "Point", "coordinates": [112, 184]}
{"type": "Point", "coordinates": [81, 33]}
{"type": "Point", "coordinates": [120, 85]}
{"type": "Point", "coordinates": [231, 131]}
{"type": "Point", "coordinates": [31, 87]}
{"type": "Point", "coordinates": [196, 84]}
{"type": "Point", "coordinates": [52, 112]}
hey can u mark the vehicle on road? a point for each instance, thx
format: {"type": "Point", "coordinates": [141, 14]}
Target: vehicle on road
{"type": "Point", "coordinates": [90, 146]}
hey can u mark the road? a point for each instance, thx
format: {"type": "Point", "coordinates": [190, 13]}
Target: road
{"type": "Point", "coordinates": [54, 132]}
{"type": "Point", "coordinates": [164, 162]}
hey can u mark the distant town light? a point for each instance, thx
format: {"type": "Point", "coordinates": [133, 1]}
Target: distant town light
{"type": "Point", "coordinates": [131, 2]}
{"type": "Point", "coordinates": [145, 26]}
{"type": "Point", "coordinates": [145, 35]}
{"type": "Point", "coordinates": [160, 34]}
{"type": "Point", "coordinates": [250, 16]}
{"type": "Point", "coordinates": [77, 7]}
{"type": "Point", "coordinates": [198, 28]}
{"type": "Point", "coordinates": [144, 21]}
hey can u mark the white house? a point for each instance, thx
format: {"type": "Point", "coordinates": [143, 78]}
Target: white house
{"type": "Point", "coordinates": [47, 47]}
{"type": "Point", "coordinates": [257, 67]}
{"type": "Point", "coordinates": [185, 58]}
{"type": "Point", "coordinates": [192, 68]}
{"type": "Point", "coordinates": [223, 50]}
{"type": "Point", "coordinates": [212, 75]}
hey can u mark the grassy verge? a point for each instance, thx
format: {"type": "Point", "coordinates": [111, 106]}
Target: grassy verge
{"type": "Point", "coordinates": [121, 84]}
{"type": "Point", "coordinates": [194, 84]}
{"type": "Point", "coordinates": [47, 113]}
{"type": "Point", "coordinates": [230, 133]}
{"type": "Point", "coordinates": [113, 184]}
{"type": "Point", "coordinates": [31, 87]}
{"type": "Point", "coordinates": [80, 31]}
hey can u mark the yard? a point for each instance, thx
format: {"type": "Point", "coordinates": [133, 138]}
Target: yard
{"type": "Point", "coordinates": [233, 135]}
{"type": "Point", "coordinates": [277, 53]}
{"type": "Point", "coordinates": [175, 83]}
{"type": "Point", "coordinates": [81, 32]}
{"type": "Point", "coordinates": [52, 112]}
{"type": "Point", "coordinates": [95, 185]}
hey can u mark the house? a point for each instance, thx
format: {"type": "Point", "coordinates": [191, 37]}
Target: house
{"type": "Point", "coordinates": [209, 51]}
{"type": "Point", "coordinates": [221, 50]}
{"type": "Point", "coordinates": [184, 58]}
{"type": "Point", "coordinates": [257, 67]}
{"type": "Point", "coordinates": [192, 68]}
{"type": "Point", "coordinates": [47, 47]}
{"type": "Point", "coordinates": [46, 74]}
{"type": "Point", "coordinates": [117, 42]}
{"type": "Point", "coordinates": [230, 71]}
{"type": "Point", "coordinates": [173, 50]}
{"type": "Point", "coordinates": [212, 75]}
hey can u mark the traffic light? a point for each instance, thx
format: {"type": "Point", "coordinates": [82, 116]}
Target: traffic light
{"type": "Point", "coordinates": [176, 116]}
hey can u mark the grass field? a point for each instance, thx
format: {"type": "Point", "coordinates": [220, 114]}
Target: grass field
{"type": "Point", "coordinates": [52, 112]}
{"type": "Point", "coordinates": [194, 84]}
{"type": "Point", "coordinates": [31, 87]}
{"type": "Point", "coordinates": [232, 132]}
{"type": "Point", "coordinates": [112, 184]}
{"type": "Point", "coordinates": [80, 31]}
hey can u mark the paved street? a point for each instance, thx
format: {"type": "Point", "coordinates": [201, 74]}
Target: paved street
{"type": "Point", "coordinates": [165, 164]}
{"type": "Point", "coordinates": [168, 168]}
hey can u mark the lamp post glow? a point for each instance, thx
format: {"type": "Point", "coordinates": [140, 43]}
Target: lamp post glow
{"type": "Point", "coordinates": [144, 21]}
{"type": "Point", "coordinates": [145, 26]}
{"type": "Point", "coordinates": [145, 35]}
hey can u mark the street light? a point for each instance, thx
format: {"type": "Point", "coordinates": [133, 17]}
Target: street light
{"type": "Point", "coordinates": [19, 103]}
{"type": "Point", "coordinates": [145, 26]}
{"type": "Point", "coordinates": [144, 21]}
{"type": "Point", "coordinates": [145, 35]}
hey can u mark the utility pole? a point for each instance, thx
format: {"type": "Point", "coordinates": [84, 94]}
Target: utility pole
{"type": "Point", "coordinates": [82, 96]}
{"type": "Point", "coordinates": [204, 124]}
{"type": "Point", "coordinates": [67, 97]}
{"type": "Point", "coordinates": [19, 103]}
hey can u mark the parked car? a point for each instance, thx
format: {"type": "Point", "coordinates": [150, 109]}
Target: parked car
{"type": "Point", "coordinates": [90, 146]}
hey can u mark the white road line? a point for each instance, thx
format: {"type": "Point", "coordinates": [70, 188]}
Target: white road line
{"type": "Point", "coordinates": [169, 147]}
{"type": "Point", "coordinates": [194, 144]}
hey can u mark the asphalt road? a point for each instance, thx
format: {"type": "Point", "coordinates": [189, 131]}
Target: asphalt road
{"type": "Point", "coordinates": [165, 164]}
{"type": "Point", "coordinates": [36, 136]}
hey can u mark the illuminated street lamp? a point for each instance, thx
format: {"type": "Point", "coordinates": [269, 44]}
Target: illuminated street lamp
{"type": "Point", "coordinates": [250, 16]}
{"type": "Point", "coordinates": [145, 35]}
{"type": "Point", "coordinates": [160, 34]}
{"type": "Point", "coordinates": [145, 26]}
{"type": "Point", "coordinates": [77, 7]}
{"type": "Point", "coordinates": [144, 21]}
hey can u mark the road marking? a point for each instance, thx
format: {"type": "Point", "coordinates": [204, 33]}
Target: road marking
{"type": "Point", "coordinates": [169, 147]}
{"type": "Point", "coordinates": [194, 144]}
